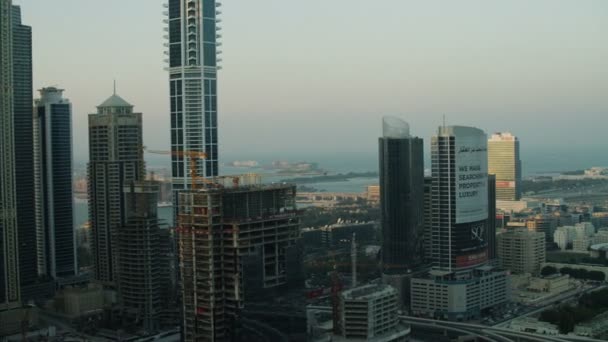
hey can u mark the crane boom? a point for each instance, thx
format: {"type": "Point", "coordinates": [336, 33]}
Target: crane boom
{"type": "Point", "coordinates": [193, 157]}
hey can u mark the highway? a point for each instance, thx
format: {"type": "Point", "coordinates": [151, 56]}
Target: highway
{"type": "Point", "coordinates": [560, 299]}
{"type": "Point", "coordinates": [490, 333]}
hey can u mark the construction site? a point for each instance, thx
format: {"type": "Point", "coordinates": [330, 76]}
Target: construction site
{"type": "Point", "coordinates": [234, 234]}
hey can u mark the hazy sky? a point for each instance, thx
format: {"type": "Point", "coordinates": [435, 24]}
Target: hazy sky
{"type": "Point", "coordinates": [318, 75]}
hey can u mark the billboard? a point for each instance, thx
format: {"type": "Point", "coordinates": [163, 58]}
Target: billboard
{"type": "Point", "coordinates": [472, 259]}
{"type": "Point", "coordinates": [471, 168]}
{"type": "Point", "coordinates": [505, 184]}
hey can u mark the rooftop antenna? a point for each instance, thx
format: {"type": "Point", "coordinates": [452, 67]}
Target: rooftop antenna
{"type": "Point", "coordinates": [443, 120]}
{"type": "Point", "coordinates": [114, 86]}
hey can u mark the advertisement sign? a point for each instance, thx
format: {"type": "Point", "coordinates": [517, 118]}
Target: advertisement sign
{"type": "Point", "coordinates": [471, 178]}
{"type": "Point", "coordinates": [473, 259]}
{"type": "Point", "coordinates": [505, 184]}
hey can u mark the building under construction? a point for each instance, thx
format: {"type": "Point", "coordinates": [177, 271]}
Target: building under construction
{"type": "Point", "coordinates": [138, 247]}
{"type": "Point", "coordinates": [235, 240]}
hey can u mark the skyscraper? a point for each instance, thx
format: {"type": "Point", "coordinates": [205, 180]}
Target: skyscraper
{"type": "Point", "coordinates": [138, 247]}
{"type": "Point", "coordinates": [460, 198]}
{"type": "Point", "coordinates": [193, 86]}
{"type": "Point", "coordinates": [24, 155]}
{"type": "Point", "coordinates": [115, 159]}
{"type": "Point", "coordinates": [9, 248]}
{"type": "Point", "coordinates": [504, 162]}
{"type": "Point", "coordinates": [461, 283]}
{"type": "Point", "coordinates": [54, 206]}
{"type": "Point", "coordinates": [234, 242]}
{"type": "Point", "coordinates": [401, 197]}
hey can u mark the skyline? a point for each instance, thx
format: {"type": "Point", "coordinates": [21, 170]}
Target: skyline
{"type": "Point", "coordinates": [466, 67]}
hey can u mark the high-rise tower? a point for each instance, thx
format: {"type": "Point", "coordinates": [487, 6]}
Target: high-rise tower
{"type": "Point", "coordinates": [9, 248]}
{"type": "Point", "coordinates": [115, 160]}
{"type": "Point", "coordinates": [192, 49]}
{"type": "Point", "coordinates": [461, 283]}
{"type": "Point", "coordinates": [139, 247]}
{"type": "Point", "coordinates": [459, 198]}
{"type": "Point", "coordinates": [504, 162]}
{"type": "Point", "coordinates": [54, 206]}
{"type": "Point", "coordinates": [24, 155]}
{"type": "Point", "coordinates": [235, 242]}
{"type": "Point", "coordinates": [401, 197]}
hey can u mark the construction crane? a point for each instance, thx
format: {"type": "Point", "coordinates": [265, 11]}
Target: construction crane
{"type": "Point", "coordinates": [194, 157]}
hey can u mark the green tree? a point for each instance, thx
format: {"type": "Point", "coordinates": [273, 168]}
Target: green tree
{"type": "Point", "coordinates": [597, 275]}
{"type": "Point", "coordinates": [548, 270]}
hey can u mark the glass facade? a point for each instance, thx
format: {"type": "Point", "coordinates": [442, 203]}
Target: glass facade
{"type": "Point", "coordinates": [402, 203]}
{"type": "Point", "coordinates": [459, 240]}
{"type": "Point", "coordinates": [193, 87]}
{"type": "Point", "coordinates": [9, 279]}
{"type": "Point", "coordinates": [24, 155]}
{"type": "Point", "coordinates": [505, 163]}
{"type": "Point", "coordinates": [54, 126]}
{"type": "Point", "coordinates": [116, 159]}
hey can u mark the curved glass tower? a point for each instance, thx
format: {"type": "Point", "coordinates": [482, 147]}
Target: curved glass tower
{"type": "Point", "coordinates": [401, 197]}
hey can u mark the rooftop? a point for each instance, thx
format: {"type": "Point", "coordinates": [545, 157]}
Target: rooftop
{"type": "Point", "coordinates": [115, 101]}
{"type": "Point", "coordinates": [368, 291]}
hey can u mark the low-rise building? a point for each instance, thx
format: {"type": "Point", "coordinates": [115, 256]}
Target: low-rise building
{"type": "Point", "coordinates": [600, 237]}
{"type": "Point", "coordinates": [461, 296]}
{"type": "Point", "coordinates": [543, 223]}
{"type": "Point", "coordinates": [369, 313]}
{"type": "Point", "coordinates": [599, 250]}
{"type": "Point", "coordinates": [530, 290]}
{"type": "Point", "coordinates": [533, 325]}
{"type": "Point", "coordinates": [517, 206]}
{"type": "Point", "coordinates": [594, 328]}
{"type": "Point", "coordinates": [565, 236]}
{"type": "Point", "coordinates": [581, 244]}
{"type": "Point", "coordinates": [365, 313]}
{"type": "Point", "coordinates": [555, 283]}
{"type": "Point", "coordinates": [521, 251]}
{"type": "Point", "coordinates": [80, 301]}
{"type": "Point", "coordinates": [600, 219]}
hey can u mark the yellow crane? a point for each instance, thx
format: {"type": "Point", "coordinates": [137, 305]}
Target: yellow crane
{"type": "Point", "coordinates": [194, 157]}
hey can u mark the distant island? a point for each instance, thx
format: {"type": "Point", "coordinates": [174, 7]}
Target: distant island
{"type": "Point", "coordinates": [340, 177]}
{"type": "Point", "coordinates": [243, 163]}
{"type": "Point", "coordinates": [285, 167]}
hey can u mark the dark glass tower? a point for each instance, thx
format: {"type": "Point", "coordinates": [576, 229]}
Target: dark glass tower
{"type": "Point", "coordinates": [53, 127]}
{"type": "Point", "coordinates": [9, 258]}
{"type": "Point", "coordinates": [401, 197]}
{"type": "Point", "coordinates": [24, 156]}
{"type": "Point", "coordinates": [193, 86]}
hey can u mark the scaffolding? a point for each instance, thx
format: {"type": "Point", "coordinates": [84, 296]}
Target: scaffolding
{"type": "Point", "coordinates": [222, 229]}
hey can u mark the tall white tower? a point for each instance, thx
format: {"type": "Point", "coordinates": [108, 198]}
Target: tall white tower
{"type": "Point", "coordinates": [193, 65]}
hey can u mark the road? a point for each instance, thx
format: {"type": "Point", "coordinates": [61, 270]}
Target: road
{"type": "Point", "coordinates": [560, 299]}
{"type": "Point", "coordinates": [491, 333]}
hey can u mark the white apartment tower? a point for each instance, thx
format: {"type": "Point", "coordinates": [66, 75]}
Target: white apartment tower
{"type": "Point", "coordinates": [192, 51]}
